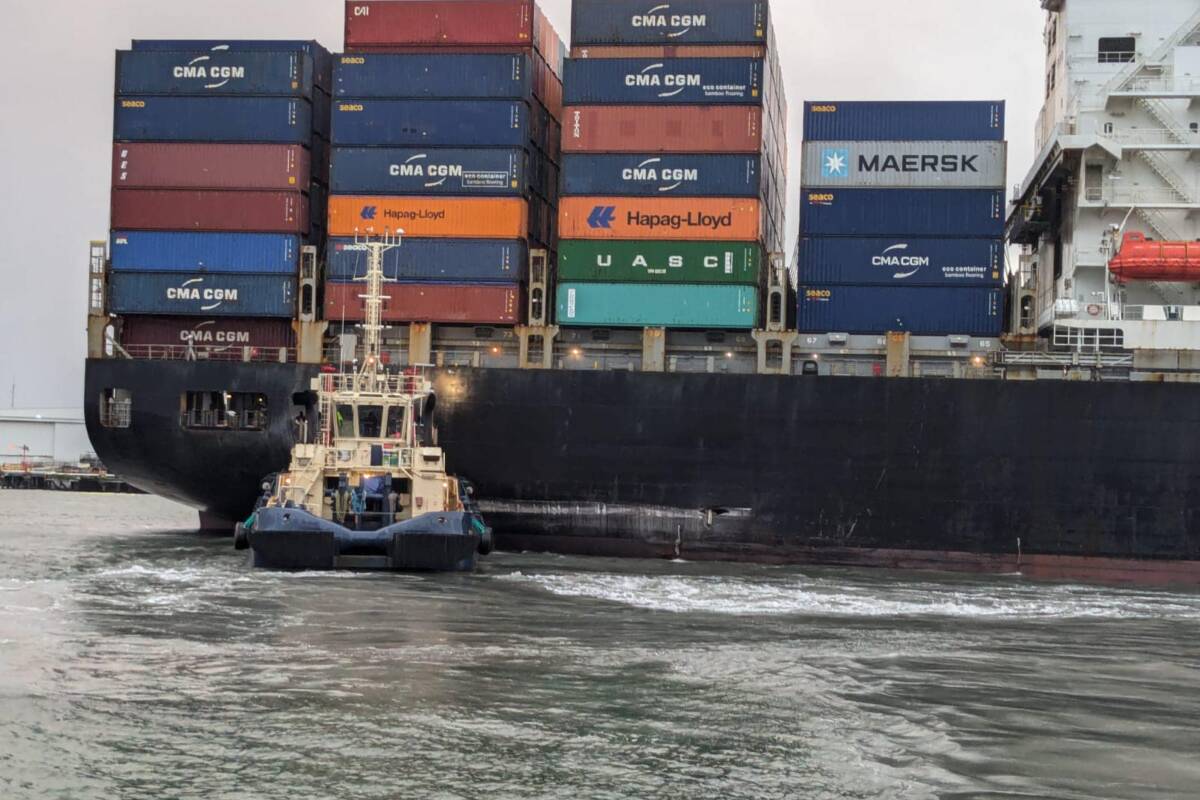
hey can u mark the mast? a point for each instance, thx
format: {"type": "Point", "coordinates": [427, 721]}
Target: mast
{"type": "Point", "coordinates": [374, 298]}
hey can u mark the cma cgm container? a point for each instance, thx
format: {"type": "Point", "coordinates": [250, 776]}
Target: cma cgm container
{"type": "Point", "coordinates": [442, 260]}
{"type": "Point", "coordinates": [910, 165]}
{"type": "Point", "coordinates": [921, 311]}
{"type": "Point", "coordinates": [322, 58]}
{"type": "Point", "coordinates": [660, 262]}
{"type": "Point", "coordinates": [671, 81]}
{"type": "Point", "coordinates": [420, 123]}
{"type": "Point", "coordinates": [150, 118]}
{"type": "Point", "coordinates": [682, 129]}
{"type": "Point", "coordinates": [150, 165]}
{"type": "Point", "coordinates": [149, 251]}
{"type": "Point", "coordinates": [217, 73]}
{"type": "Point", "coordinates": [910, 261]}
{"type": "Point", "coordinates": [909, 212]}
{"type": "Point", "coordinates": [677, 219]}
{"type": "Point", "coordinates": [202, 295]}
{"type": "Point", "coordinates": [436, 76]}
{"type": "Point", "coordinates": [230, 212]}
{"type": "Point", "coordinates": [433, 217]}
{"type": "Point", "coordinates": [689, 175]}
{"type": "Point", "coordinates": [476, 172]}
{"type": "Point", "coordinates": [657, 305]}
{"type": "Point", "coordinates": [725, 22]}
{"type": "Point", "coordinates": [207, 334]}
{"type": "Point", "coordinates": [480, 304]}
{"type": "Point", "coordinates": [904, 121]}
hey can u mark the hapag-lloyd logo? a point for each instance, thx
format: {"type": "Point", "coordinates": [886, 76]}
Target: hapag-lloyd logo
{"type": "Point", "coordinates": [662, 18]}
{"type": "Point", "coordinates": [693, 220]}
{"type": "Point", "coordinates": [414, 214]}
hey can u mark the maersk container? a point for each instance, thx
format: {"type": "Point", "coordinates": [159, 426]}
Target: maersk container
{"type": "Point", "coordinates": [637, 305]}
{"type": "Point", "coordinates": [278, 120]}
{"type": "Point", "coordinates": [670, 81]}
{"type": "Point", "coordinates": [453, 171]}
{"type": "Point", "coordinates": [911, 212]}
{"type": "Point", "coordinates": [440, 260]}
{"type": "Point", "coordinates": [649, 175]}
{"type": "Point", "coordinates": [904, 121]}
{"type": "Point", "coordinates": [431, 123]}
{"type": "Point", "coordinates": [626, 22]}
{"type": "Point", "coordinates": [907, 165]}
{"type": "Point", "coordinates": [150, 251]}
{"type": "Point", "coordinates": [184, 294]}
{"type": "Point", "coordinates": [433, 76]}
{"type": "Point", "coordinates": [921, 311]}
{"type": "Point", "coordinates": [322, 58]}
{"type": "Point", "coordinates": [895, 261]}
{"type": "Point", "coordinates": [215, 73]}
{"type": "Point", "coordinates": [660, 262]}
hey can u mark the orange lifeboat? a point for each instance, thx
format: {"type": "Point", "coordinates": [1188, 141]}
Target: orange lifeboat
{"type": "Point", "coordinates": [1142, 260]}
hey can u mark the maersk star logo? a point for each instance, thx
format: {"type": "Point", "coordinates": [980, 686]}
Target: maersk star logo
{"type": "Point", "coordinates": [835, 163]}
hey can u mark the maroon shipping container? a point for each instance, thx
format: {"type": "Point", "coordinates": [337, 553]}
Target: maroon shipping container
{"type": "Point", "coordinates": [662, 129]}
{"type": "Point", "coordinates": [166, 334]}
{"type": "Point", "coordinates": [210, 166]}
{"type": "Point", "coordinates": [430, 302]}
{"type": "Point", "coordinates": [439, 22]}
{"type": "Point", "coordinates": [235, 212]}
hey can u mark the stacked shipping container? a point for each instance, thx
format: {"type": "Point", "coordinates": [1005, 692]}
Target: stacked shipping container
{"type": "Point", "coordinates": [902, 218]}
{"type": "Point", "coordinates": [674, 163]}
{"type": "Point", "coordinates": [446, 127]}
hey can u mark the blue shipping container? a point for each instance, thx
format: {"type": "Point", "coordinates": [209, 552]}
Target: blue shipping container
{"type": "Point", "coordinates": [476, 172]}
{"type": "Point", "coordinates": [151, 251]}
{"type": "Point", "coordinates": [430, 123]}
{"type": "Point", "coordinates": [219, 73]}
{"type": "Point", "coordinates": [666, 81]}
{"type": "Point", "coordinates": [322, 58]}
{"type": "Point", "coordinates": [202, 295]}
{"type": "Point", "coordinates": [902, 212]}
{"type": "Point", "coordinates": [457, 76]}
{"type": "Point", "coordinates": [434, 260]}
{"type": "Point", "coordinates": [904, 121]}
{"type": "Point", "coordinates": [273, 120]}
{"type": "Point", "coordinates": [662, 176]}
{"type": "Point", "coordinates": [681, 22]}
{"type": "Point", "coordinates": [921, 311]}
{"type": "Point", "coordinates": [897, 261]}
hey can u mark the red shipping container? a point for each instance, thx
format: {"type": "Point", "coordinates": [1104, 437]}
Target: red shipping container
{"type": "Point", "coordinates": [234, 212]}
{"type": "Point", "coordinates": [210, 166]}
{"type": "Point", "coordinates": [662, 129]}
{"type": "Point", "coordinates": [168, 333]}
{"type": "Point", "coordinates": [670, 51]}
{"type": "Point", "coordinates": [439, 22]}
{"type": "Point", "coordinates": [430, 302]}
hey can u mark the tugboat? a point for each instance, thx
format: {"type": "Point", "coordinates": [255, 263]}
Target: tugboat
{"type": "Point", "coordinates": [370, 490]}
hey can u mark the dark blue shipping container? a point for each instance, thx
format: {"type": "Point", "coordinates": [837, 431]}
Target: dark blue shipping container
{"type": "Point", "coordinates": [909, 261]}
{"type": "Point", "coordinates": [274, 120]}
{"type": "Point", "coordinates": [663, 176]}
{"type": "Point", "coordinates": [457, 76]}
{"type": "Point", "coordinates": [215, 73]}
{"type": "Point", "coordinates": [680, 22]}
{"type": "Point", "coordinates": [921, 311]}
{"type": "Point", "coordinates": [902, 212]}
{"type": "Point", "coordinates": [904, 121]}
{"type": "Point", "coordinates": [152, 251]}
{"type": "Point", "coordinates": [189, 294]}
{"type": "Point", "coordinates": [322, 58]}
{"type": "Point", "coordinates": [476, 173]}
{"type": "Point", "coordinates": [435, 260]}
{"type": "Point", "coordinates": [665, 81]}
{"type": "Point", "coordinates": [430, 123]}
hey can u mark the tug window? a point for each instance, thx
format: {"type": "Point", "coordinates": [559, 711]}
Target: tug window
{"type": "Point", "coordinates": [395, 422]}
{"type": "Point", "coordinates": [345, 422]}
{"type": "Point", "coordinates": [370, 422]}
{"type": "Point", "coordinates": [1117, 49]}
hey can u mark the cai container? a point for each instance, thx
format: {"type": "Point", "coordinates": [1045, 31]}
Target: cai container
{"type": "Point", "coordinates": [448, 303]}
{"type": "Point", "coordinates": [901, 261]}
{"type": "Point", "coordinates": [440, 260]}
{"type": "Point", "coordinates": [431, 123]}
{"type": "Point", "coordinates": [150, 165]}
{"type": "Point", "coordinates": [162, 251]}
{"type": "Point", "coordinates": [184, 294]}
{"type": "Point", "coordinates": [429, 217]}
{"type": "Point", "coordinates": [659, 218]}
{"type": "Point", "coordinates": [628, 22]}
{"type": "Point", "coordinates": [214, 333]}
{"type": "Point", "coordinates": [666, 81]}
{"type": "Point", "coordinates": [150, 118]}
{"type": "Point", "coordinates": [911, 212]}
{"type": "Point", "coordinates": [480, 172]}
{"type": "Point", "coordinates": [655, 175]}
{"type": "Point", "coordinates": [904, 121]}
{"type": "Point", "coordinates": [638, 305]}
{"type": "Point", "coordinates": [215, 73]}
{"type": "Point", "coordinates": [664, 129]}
{"type": "Point", "coordinates": [433, 76]}
{"type": "Point", "coordinates": [919, 310]}
{"type": "Point", "coordinates": [322, 58]}
{"type": "Point", "coordinates": [438, 23]}
{"type": "Point", "coordinates": [231, 212]}
{"type": "Point", "coordinates": [660, 262]}
{"type": "Point", "coordinates": [904, 165]}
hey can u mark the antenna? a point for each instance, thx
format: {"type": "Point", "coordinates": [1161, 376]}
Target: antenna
{"type": "Point", "coordinates": [373, 327]}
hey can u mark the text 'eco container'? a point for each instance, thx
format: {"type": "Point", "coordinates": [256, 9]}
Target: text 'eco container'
{"type": "Point", "coordinates": [437, 217]}
{"type": "Point", "coordinates": [146, 165]}
{"type": "Point", "coordinates": [658, 175]}
{"type": "Point", "coordinates": [921, 311]}
{"type": "Point", "coordinates": [660, 262]}
{"type": "Point", "coordinates": [910, 212]}
{"type": "Point", "coordinates": [206, 334]}
{"type": "Point", "coordinates": [202, 295]}
{"type": "Point", "coordinates": [421, 123]}
{"type": "Point", "coordinates": [481, 172]}
{"type": "Point", "coordinates": [226, 72]}
{"type": "Point", "coordinates": [152, 118]}
{"type": "Point", "coordinates": [442, 260]}
{"type": "Point", "coordinates": [440, 22]}
{"type": "Point", "coordinates": [609, 22]}
{"type": "Point", "coordinates": [149, 251]}
{"type": "Point", "coordinates": [236, 212]}
{"type": "Point", "coordinates": [384, 75]}
{"type": "Point", "coordinates": [904, 121]}
{"type": "Point", "coordinates": [447, 303]}
{"type": "Point", "coordinates": [671, 81]}
{"type": "Point", "coordinates": [682, 219]}
{"type": "Point", "coordinates": [911, 261]}
{"type": "Point", "coordinates": [914, 165]}
{"type": "Point", "coordinates": [657, 305]}
{"type": "Point", "coordinates": [685, 129]}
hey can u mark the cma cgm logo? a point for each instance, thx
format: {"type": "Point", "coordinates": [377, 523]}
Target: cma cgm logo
{"type": "Point", "coordinates": [653, 78]}
{"type": "Point", "coordinates": [200, 69]}
{"type": "Point", "coordinates": [602, 217]}
{"type": "Point", "coordinates": [897, 258]}
{"type": "Point", "coordinates": [194, 291]}
{"type": "Point", "coordinates": [417, 167]}
{"type": "Point", "coordinates": [652, 171]}
{"type": "Point", "coordinates": [676, 25]}
{"type": "Point", "coordinates": [369, 212]}
{"type": "Point", "coordinates": [835, 163]}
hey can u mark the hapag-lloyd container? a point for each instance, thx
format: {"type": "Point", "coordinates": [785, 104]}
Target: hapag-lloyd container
{"type": "Point", "coordinates": [651, 218]}
{"type": "Point", "coordinates": [667, 81]}
{"type": "Point", "coordinates": [232, 212]}
{"type": "Point", "coordinates": [660, 262]}
{"type": "Point", "coordinates": [218, 73]}
{"type": "Point", "coordinates": [678, 22]}
{"type": "Point", "coordinates": [432, 217]}
{"type": "Point", "coordinates": [901, 261]}
{"type": "Point", "coordinates": [147, 165]}
{"type": "Point", "coordinates": [448, 303]}
{"type": "Point", "coordinates": [912, 212]}
{"type": "Point", "coordinates": [904, 121]}
{"type": "Point", "coordinates": [910, 165]}
{"type": "Point", "coordinates": [442, 260]}
{"type": "Point", "coordinates": [657, 305]}
{"type": "Point", "coordinates": [151, 251]}
{"type": "Point", "coordinates": [187, 294]}
{"type": "Point", "coordinates": [675, 129]}
{"type": "Point", "coordinates": [215, 333]}
{"type": "Point", "coordinates": [322, 59]}
{"type": "Point", "coordinates": [481, 172]}
{"type": "Point", "coordinates": [921, 311]}
{"type": "Point", "coordinates": [150, 118]}
{"type": "Point", "coordinates": [436, 76]}
{"type": "Point", "coordinates": [689, 175]}
{"type": "Point", "coordinates": [424, 123]}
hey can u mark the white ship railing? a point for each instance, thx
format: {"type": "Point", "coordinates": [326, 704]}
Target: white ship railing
{"type": "Point", "coordinates": [183, 352]}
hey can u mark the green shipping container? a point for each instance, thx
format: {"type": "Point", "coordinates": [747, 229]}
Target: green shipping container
{"type": "Point", "coordinates": [738, 263]}
{"type": "Point", "coordinates": [640, 305]}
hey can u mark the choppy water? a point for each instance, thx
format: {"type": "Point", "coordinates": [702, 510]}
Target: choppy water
{"type": "Point", "coordinates": [139, 660]}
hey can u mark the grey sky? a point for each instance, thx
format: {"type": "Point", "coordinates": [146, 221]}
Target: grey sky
{"type": "Point", "coordinates": [56, 124]}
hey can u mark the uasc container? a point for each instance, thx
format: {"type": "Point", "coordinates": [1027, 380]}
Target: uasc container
{"type": "Point", "coordinates": [215, 334]}
{"type": "Point", "coordinates": [183, 294]}
{"type": "Point", "coordinates": [453, 171]}
{"type": "Point", "coordinates": [425, 123]}
{"type": "Point", "coordinates": [723, 22]}
{"type": "Point", "coordinates": [660, 262]}
{"type": "Point", "coordinates": [669, 81]}
{"type": "Point", "coordinates": [216, 73]}
{"type": "Point", "coordinates": [150, 165]}
{"type": "Point", "coordinates": [481, 304]}
{"type": "Point", "coordinates": [678, 219]}
{"type": "Point", "coordinates": [904, 121]}
{"type": "Point", "coordinates": [432, 217]}
{"type": "Point", "coordinates": [656, 305]}
{"type": "Point", "coordinates": [151, 118]}
{"type": "Point", "coordinates": [441, 260]}
{"type": "Point", "coordinates": [433, 76]}
{"type": "Point", "coordinates": [655, 175]}
{"type": "Point", "coordinates": [150, 251]}
{"type": "Point", "coordinates": [668, 129]}
{"type": "Point", "coordinates": [912, 212]}
{"type": "Point", "coordinates": [921, 311]}
{"type": "Point", "coordinates": [912, 261]}
{"type": "Point", "coordinates": [910, 165]}
{"type": "Point", "coordinates": [233, 212]}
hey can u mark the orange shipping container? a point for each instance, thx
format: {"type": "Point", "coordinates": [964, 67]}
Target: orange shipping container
{"type": "Point", "coordinates": [430, 217]}
{"type": "Point", "coordinates": [657, 218]}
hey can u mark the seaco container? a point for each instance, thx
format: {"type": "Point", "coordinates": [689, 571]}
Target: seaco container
{"type": "Point", "coordinates": [904, 121]}
{"type": "Point", "coordinates": [677, 129]}
{"type": "Point", "coordinates": [911, 261]}
{"type": "Point", "coordinates": [233, 212]}
{"type": "Point", "coordinates": [473, 172]}
{"type": "Point", "coordinates": [922, 311]}
{"type": "Point", "coordinates": [217, 73]}
{"type": "Point", "coordinates": [435, 76]}
{"type": "Point", "coordinates": [186, 294]}
{"type": "Point", "coordinates": [430, 302]}
{"type": "Point", "coordinates": [433, 217]}
{"type": "Point", "coordinates": [149, 165]}
{"type": "Point", "coordinates": [657, 305]}
{"type": "Point", "coordinates": [668, 81]}
{"type": "Point", "coordinates": [911, 165]}
{"type": "Point", "coordinates": [660, 262]}
{"type": "Point", "coordinates": [322, 58]}
{"type": "Point", "coordinates": [277, 120]}
{"type": "Point", "coordinates": [508, 23]}
{"type": "Point", "coordinates": [420, 123]}
{"type": "Point", "coordinates": [443, 260]}
{"type": "Point", "coordinates": [210, 334]}
{"type": "Point", "coordinates": [912, 212]}
{"type": "Point", "coordinates": [150, 251]}
{"type": "Point", "coordinates": [676, 219]}
{"type": "Point", "coordinates": [678, 22]}
{"type": "Point", "coordinates": [652, 175]}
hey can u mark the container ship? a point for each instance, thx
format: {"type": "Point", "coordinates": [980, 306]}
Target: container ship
{"type": "Point", "coordinates": [626, 363]}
